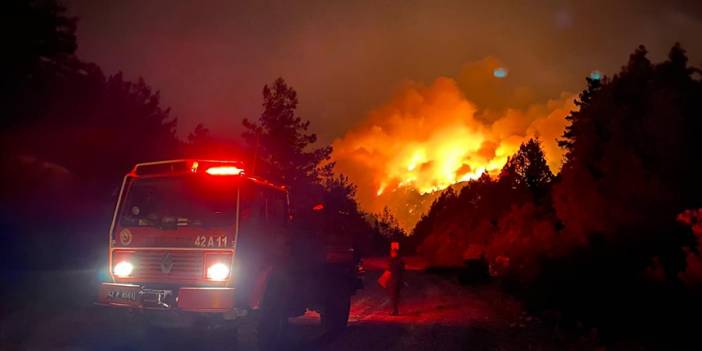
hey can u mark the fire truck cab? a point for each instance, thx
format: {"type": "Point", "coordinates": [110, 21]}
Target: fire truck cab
{"type": "Point", "coordinates": [200, 237]}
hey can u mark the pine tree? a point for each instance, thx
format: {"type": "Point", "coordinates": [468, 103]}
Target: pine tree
{"type": "Point", "coordinates": [279, 145]}
{"type": "Point", "coordinates": [280, 139]}
{"type": "Point", "coordinates": [528, 168]}
{"type": "Point", "coordinates": [576, 119]}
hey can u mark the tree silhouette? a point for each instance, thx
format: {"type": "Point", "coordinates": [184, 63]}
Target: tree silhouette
{"type": "Point", "coordinates": [630, 145]}
{"type": "Point", "coordinates": [279, 144]}
{"type": "Point", "coordinates": [629, 173]}
{"type": "Point", "coordinates": [200, 142]}
{"type": "Point", "coordinates": [41, 42]}
{"type": "Point", "coordinates": [528, 168]}
{"type": "Point", "coordinates": [200, 135]}
{"type": "Point", "coordinates": [601, 238]}
{"type": "Point", "coordinates": [280, 140]}
{"type": "Point", "coordinates": [344, 221]}
{"type": "Point", "coordinates": [473, 217]}
{"type": "Point", "coordinates": [388, 227]}
{"type": "Point", "coordinates": [69, 134]}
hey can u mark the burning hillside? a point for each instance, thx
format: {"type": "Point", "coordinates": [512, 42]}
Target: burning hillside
{"type": "Point", "coordinates": [428, 137]}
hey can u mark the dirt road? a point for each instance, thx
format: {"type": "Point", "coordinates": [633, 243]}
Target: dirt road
{"type": "Point", "coordinates": [437, 313]}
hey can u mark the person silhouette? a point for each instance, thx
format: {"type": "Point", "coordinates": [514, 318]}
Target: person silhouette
{"type": "Point", "coordinates": [396, 267]}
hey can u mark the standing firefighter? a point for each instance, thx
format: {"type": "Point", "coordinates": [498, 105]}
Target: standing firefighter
{"type": "Point", "coordinates": [392, 279]}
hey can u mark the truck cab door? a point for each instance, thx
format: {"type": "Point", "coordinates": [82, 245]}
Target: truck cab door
{"type": "Point", "coordinates": [261, 242]}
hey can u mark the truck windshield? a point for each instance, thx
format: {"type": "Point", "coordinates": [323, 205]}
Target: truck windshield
{"type": "Point", "coordinates": [180, 201]}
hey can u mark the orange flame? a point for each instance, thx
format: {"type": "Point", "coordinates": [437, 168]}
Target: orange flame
{"type": "Point", "coordinates": [430, 137]}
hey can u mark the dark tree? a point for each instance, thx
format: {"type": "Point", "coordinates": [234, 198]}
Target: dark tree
{"type": "Point", "coordinates": [200, 142]}
{"type": "Point", "coordinates": [630, 171]}
{"type": "Point", "coordinates": [281, 146]}
{"type": "Point", "coordinates": [200, 135]}
{"type": "Point", "coordinates": [630, 146]}
{"type": "Point", "coordinates": [426, 224]}
{"type": "Point", "coordinates": [388, 227]}
{"type": "Point", "coordinates": [40, 42]}
{"type": "Point", "coordinates": [69, 133]}
{"type": "Point", "coordinates": [344, 221]}
{"type": "Point", "coordinates": [528, 168]}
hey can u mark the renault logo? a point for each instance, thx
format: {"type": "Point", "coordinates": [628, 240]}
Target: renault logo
{"type": "Point", "coordinates": [167, 263]}
{"type": "Point", "coordinates": [125, 236]}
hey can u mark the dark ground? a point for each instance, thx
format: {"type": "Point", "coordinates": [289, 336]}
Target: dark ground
{"type": "Point", "coordinates": [53, 311]}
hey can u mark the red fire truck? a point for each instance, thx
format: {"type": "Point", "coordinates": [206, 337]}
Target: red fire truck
{"type": "Point", "coordinates": [202, 240]}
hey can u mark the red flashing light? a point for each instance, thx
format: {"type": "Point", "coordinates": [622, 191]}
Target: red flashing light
{"type": "Point", "coordinates": [224, 170]}
{"type": "Point", "coordinates": [318, 207]}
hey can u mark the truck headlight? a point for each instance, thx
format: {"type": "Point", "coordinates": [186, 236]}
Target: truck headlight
{"type": "Point", "coordinates": [123, 269]}
{"type": "Point", "coordinates": [218, 271]}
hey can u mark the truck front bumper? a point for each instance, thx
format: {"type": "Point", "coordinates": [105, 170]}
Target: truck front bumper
{"type": "Point", "coordinates": [188, 299]}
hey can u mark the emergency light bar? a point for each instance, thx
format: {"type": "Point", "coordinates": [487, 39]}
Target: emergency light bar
{"type": "Point", "coordinates": [211, 167]}
{"type": "Point", "coordinates": [224, 170]}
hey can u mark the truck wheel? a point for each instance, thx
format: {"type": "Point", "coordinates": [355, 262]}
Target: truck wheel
{"type": "Point", "coordinates": [273, 323]}
{"type": "Point", "coordinates": [272, 329]}
{"type": "Point", "coordinates": [335, 314]}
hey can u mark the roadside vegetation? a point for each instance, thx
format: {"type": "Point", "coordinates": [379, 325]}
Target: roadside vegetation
{"type": "Point", "coordinates": [612, 241]}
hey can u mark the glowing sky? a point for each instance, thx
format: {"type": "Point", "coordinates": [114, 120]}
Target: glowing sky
{"type": "Point", "coordinates": [210, 59]}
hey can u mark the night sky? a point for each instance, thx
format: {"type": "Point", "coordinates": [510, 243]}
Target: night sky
{"type": "Point", "coordinates": [210, 59]}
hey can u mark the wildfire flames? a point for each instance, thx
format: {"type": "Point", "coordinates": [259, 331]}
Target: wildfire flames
{"type": "Point", "coordinates": [428, 137]}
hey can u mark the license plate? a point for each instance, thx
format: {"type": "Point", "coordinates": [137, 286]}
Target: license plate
{"type": "Point", "coordinates": [122, 295]}
{"type": "Point", "coordinates": [119, 294]}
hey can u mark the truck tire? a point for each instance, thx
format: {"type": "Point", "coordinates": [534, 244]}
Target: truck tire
{"type": "Point", "coordinates": [335, 314]}
{"type": "Point", "coordinates": [272, 329]}
{"type": "Point", "coordinates": [273, 322]}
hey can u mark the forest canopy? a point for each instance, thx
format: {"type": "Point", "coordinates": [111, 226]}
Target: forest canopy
{"type": "Point", "coordinates": [618, 226]}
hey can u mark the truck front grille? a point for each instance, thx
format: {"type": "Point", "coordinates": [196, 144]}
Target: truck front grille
{"type": "Point", "coordinates": [168, 265]}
